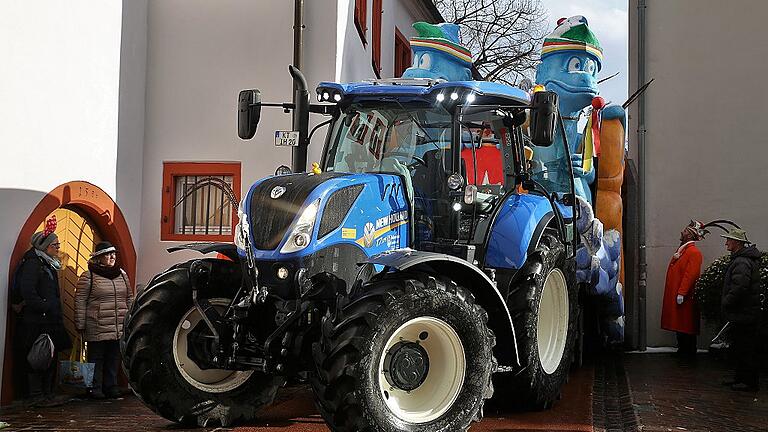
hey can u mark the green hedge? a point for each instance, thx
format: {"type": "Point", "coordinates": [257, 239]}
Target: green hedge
{"type": "Point", "coordinates": [709, 287]}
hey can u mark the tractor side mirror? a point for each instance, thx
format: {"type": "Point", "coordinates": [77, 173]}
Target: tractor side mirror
{"type": "Point", "coordinates": [543, 118]}
{"type": "Point", "coordinates": [248, 113]}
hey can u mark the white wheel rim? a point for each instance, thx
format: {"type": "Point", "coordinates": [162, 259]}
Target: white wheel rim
{"type": "Point", "coordinates": [445, 377]}
{"type": "Point", "coordinates": [208, 380]}
{"type": "Point", "coordinates": [552, 322]}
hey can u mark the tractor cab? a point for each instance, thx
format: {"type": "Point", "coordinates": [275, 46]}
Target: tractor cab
{"type": "Point", "coordinates": [458, 147]}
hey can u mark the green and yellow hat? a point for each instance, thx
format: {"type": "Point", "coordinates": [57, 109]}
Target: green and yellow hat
{"type": "Point", "coordinates": [443, 38]}
{"type": "Point", "coordinates": [573, 34]}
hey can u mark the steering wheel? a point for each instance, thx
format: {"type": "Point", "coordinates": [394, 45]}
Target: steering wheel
{"type": "Point", "coordinates": [416, 159]}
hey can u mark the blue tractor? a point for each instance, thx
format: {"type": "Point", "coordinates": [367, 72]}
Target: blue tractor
{"type": "Point", "coordinates": [396, 278]}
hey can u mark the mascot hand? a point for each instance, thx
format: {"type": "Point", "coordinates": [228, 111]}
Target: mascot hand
{"type": "Point", "coordinates": [578, 170]}
{"type": "Point", "coordinates": [680, 299]}
{"type": "Point", "coordinates": [613, 112]}
{"type": "Point", "coordinates": [578, 163]}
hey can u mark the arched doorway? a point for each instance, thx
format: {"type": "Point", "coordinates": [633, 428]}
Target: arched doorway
{"type": "Point", "coordinates": [86, 214]}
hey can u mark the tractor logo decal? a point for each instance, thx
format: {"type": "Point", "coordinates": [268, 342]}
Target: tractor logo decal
{"type": "Point", "coordinates": [277, 192]}
{"type": "Point", "coordinates": [368, 234]}
{"type": "Point", "coordinates": [383, 225]}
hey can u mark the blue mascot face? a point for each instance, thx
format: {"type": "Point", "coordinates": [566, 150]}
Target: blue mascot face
{"type": "Point", "coordinates": [572, 75]}
{"type": "Point", "coordinates": [570, 59]}
{"type": "Point", "coordinates": [436, 65]}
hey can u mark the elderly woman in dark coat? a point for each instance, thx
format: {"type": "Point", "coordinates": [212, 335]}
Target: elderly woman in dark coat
{"type": "Point", "coordinates": [102, 299]}
{"type": "Point", "coordinates": [39, 286]}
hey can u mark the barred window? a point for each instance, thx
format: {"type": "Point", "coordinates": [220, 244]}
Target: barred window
{"type": "Point", "coordinates": [198, 200]}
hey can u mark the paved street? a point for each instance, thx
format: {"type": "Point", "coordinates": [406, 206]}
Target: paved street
{"type": "Point", "coordinates": [667, 394]}
{"type": "Point", "coordinates": [294, 411]}
{"type": "Point", "coordinates": [670, 394]}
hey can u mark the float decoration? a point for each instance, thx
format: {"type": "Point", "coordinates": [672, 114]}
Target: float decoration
{"type": "Point", "coordinates": [571, 57]}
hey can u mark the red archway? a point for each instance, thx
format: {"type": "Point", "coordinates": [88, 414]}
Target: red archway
{"type": "Point", "coordinates": [104, 212]}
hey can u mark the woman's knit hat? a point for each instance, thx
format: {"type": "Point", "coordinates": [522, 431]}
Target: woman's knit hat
{"type": "Point", "coordinates": [103, 247]}
{"type": "Point", "coordinates": [42, 239]}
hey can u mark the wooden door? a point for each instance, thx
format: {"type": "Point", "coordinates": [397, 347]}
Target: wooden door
{"type": "Point", "coordinates": [78, 237]}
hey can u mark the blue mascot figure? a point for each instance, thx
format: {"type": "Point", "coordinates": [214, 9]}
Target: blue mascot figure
{"type": "Point", "coordinates": [570, 60]}
{"type": "Point", "coordinates": [571, 57]}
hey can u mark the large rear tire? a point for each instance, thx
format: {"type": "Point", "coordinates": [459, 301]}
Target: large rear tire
{"type": "Point", "coordinates": [160, 371]}
{"type": "Point", "coordinates": [405, 354]}
{"type": "Point", "coordinates": [544, 307]}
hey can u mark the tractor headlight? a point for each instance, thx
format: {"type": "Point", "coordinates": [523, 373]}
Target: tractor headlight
{"type": "Point", "coordinates": [329, 92]}
{"type": "Point", "coordinates": [302, 233]}
{"type": "Point", "coordinates": [243, 229]}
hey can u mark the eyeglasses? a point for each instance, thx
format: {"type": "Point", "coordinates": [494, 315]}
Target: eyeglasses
{"type": "Point", "coordinates": [56, 245]}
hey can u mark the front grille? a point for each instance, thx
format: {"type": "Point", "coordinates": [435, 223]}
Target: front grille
{"type": "Point", "coordinates": [271, 218]}
{"type": "Point", "coordinates": [337, 208]}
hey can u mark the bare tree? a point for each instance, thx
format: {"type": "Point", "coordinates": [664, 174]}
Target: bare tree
{"type": "Point", "coordinates": [504, 36]}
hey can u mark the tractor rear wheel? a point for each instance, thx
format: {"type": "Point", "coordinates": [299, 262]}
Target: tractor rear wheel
{"type": "Point", "coordinates": [404, 354]}
{"type": "Point", "coordinates": [544, 307]}
{"type": "Point", "coordinates": [157, 351]}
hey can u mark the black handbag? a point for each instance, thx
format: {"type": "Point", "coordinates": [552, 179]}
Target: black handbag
{"type": "Point", "coordinates": [41, 353]}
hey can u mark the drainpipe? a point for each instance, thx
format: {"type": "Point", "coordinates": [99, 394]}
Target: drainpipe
{"type": "Point", "coordinates": [641, 132]}
{"type": "Point", "coordinates": [300, 118]}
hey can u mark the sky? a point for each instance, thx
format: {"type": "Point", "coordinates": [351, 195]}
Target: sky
{"type": "Point", "coordinates": [608, 21]}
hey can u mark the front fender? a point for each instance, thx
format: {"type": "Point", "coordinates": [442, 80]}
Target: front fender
{"type": "Point", "coordinates": [227, 249]}
{"type": "Point", "coordinates": [469, 277]}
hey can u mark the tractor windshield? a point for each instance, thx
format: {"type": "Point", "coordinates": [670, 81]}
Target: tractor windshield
{"type": "Point", "coordinates": [386, 138]}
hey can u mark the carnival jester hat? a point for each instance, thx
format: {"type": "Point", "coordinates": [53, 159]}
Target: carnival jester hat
{"type": "Point", "coordinates": [573, 34]}
{"type": "Point", "coordinates": [438, 53]}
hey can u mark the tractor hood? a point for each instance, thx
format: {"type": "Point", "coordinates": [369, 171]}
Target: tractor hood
{"type": "Point", "coordinates": [298, 214]}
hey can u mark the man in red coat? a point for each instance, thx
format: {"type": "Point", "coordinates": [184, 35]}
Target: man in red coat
{"type": "Point", "coordinates": [680, 312]}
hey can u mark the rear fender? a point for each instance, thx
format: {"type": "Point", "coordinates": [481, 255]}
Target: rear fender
{"type": "Point", "coordinates": [468, 276]}
{"type": "Point", "coordinates": [517, 230]}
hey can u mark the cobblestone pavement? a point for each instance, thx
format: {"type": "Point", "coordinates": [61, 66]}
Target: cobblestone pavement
{"type": "Point", "coordinates": [292, 412]}
{"type": "Point", "coordinates": [673, 394]}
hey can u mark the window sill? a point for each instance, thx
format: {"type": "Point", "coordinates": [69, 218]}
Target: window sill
{"type": "Point", "coordinates": [198, 238]}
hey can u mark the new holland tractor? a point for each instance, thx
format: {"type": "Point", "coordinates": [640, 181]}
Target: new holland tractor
{"type": "Point", "coordinates": [396, 278]}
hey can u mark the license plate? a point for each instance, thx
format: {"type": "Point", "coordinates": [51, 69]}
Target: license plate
{"type": "Point", "coordinates": [286, 138]}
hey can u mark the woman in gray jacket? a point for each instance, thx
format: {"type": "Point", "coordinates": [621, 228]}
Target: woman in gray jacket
{"type": "Point", "coordinates": [102, 299]}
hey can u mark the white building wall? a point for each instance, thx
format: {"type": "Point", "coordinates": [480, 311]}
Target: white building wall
{"type": "Point", "coordinates": [354, 61]}
{"type": "Point", "coordinates": [130, 139]}
{"type": "Point", "coordinates": [200, 55]}
{"type": "Point", "coordinates": [319, 62]}
{"type": "Point", "coordinates": [706, 116]}
{"type": "Point", "coordinates": [59, 84]}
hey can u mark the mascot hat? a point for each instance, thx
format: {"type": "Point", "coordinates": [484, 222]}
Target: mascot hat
{"type": "Point", "coordinates": [443, 38]}
{"type": "Point", "coordinates": [573, 34]}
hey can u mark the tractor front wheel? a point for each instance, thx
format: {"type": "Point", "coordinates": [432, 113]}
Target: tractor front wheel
{"type": "Point", "coordinates": [405, 354]}
{"type": "Point", "coordinates": [162, 330]}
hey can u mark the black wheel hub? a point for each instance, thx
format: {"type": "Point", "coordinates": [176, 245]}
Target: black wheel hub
{"type": "Point", "coordinates": [406, 365]}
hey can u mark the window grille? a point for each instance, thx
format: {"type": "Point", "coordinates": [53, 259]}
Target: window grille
{"type": "Point", "coordinates": [203, 211]}
{"type": "Point", "coordinates": [199, 201]}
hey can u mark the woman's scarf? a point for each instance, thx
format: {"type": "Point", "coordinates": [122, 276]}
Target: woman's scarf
{"type": "Point", "coordinates": [53, 262]}
{"type": "Point", "coordinates": [104, 271]}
